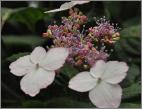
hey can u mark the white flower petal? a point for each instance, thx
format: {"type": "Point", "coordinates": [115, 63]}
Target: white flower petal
{"type": "Point", "coordinates": [22, 66]}
{"type": "Point", "coordinates": [98, 69]}
{"type": "Point", "coordinates": [82, 82]}
{"type": "Point", "coordinates": [55, 58]}
{"type": "Point", "coordinates": [80, 2]}
{"type": "Point", "coordinates": [106, 95]}
{"type": "Point", "coordinates": [67, 5]}
{"type": "Point", "coordinates": [115, 72]}
{"type": "Point", "coordinates": [56, 10]}
{"type": "Point", "coordinates": [33, 82]}
{"type": "Point", "coordinates": [38, 55]}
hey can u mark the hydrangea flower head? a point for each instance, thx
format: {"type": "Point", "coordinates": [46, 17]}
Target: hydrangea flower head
{"type": "Point", "coordinates": [80, 40]}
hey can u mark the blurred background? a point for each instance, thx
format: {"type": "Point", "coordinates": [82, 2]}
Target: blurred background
{"type": "Point", "coordinates": [23, 23]}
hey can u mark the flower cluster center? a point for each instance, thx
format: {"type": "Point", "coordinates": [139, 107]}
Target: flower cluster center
{"type": "Point", "coordinates": [86, 44]}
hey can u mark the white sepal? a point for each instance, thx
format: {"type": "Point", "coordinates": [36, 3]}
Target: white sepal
{"type": "Point", "coordinates": [38, 68]}
{"type": "Point", "coordinates": [82, 82]}
{"type": "Point", "coordinates": [67, 5]}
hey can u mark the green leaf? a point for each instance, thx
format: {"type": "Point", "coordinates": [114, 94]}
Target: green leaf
{"type": "Point", "coordinates": [31, 41]}
{"type": "Point", "coordinates": [112, 9]}
{"type": "Point", "coordinates": [33, 104]}
{"type": "Point", "coordinates": [16, 56]}
{"type": "Point", "coordinates": [5, 13]}
{"type": "Point", "coordinates": [133, 21]}
{"type": "Point", "coordinates": [127, 46]}
{"type": "Point", "coordinates": [61, 80]}
{"type": "Point", "coordinates": [128, 49]}
{"type": "Point", "coordinates": [28, 16]}
{"type": "Point", "coordinates": [135, 43]}
{"type": "Point", "coordinates": [131, 31]}
{"type": "Point", "coordinates": [68, 102]}
{"type": "Point", "coordinates": [60, 102]}
{"type": "Point", "coordinates": [132, 91]}
{"type": "Point", "coordinates": [69, 71]}
{"type": "Point", "coordinates": [130, 105]}
{"type": "Point", "coordinates": [10, 103]}
{"type": "Point", "coordinates": [66, 73]}
{"type": "Point", "coordinates": [132, 74]}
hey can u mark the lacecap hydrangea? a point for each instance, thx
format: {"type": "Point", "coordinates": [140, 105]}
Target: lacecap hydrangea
{"type": "Point", "coordinates": [86, 45]}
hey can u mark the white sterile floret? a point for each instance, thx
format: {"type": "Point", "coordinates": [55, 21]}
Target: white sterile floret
{"type": "Point", "coordinates": [67, 5]}
{"type": "Point", "coordinates": [38, 68]}
{"type": "Point", "coordinates": [102, 83]}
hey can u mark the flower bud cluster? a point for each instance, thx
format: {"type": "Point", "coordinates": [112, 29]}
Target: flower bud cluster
{"type": "Point", "coordinates": [104, 31]}
{"type": "Point", "coordinates": [81, 41]}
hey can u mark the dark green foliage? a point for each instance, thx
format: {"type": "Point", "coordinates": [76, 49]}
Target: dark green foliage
{"type": "Point", "coordinates": [128, 49]}
{"type": "Point", "coordinates": [69, 71]}
{"type": "Point", "coordinates": [16, 56]}
{"type": "Point", "coordinates": [31, 41]}
{"type": "Point", "coordinates": [67, 102]}
{"type": "Point", "coordinates": [27, 16]}
{"type": "Point", "coordinates": [132, 75]}
{"type": "Point", "coordinates": [130, 105]}
{"type": "Point", "coordinates": [132, 91]}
